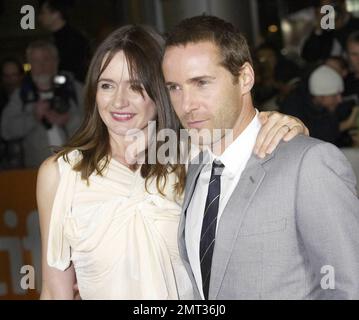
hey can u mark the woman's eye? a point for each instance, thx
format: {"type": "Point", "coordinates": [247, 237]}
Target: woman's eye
{"type": "Point", "coordinates": [172, 87]}
{"type": "Point", "coordinates": [105, 86]}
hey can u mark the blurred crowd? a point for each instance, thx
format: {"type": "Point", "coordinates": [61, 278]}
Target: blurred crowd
{"type": "Point", "coordinates": [39, 110]}
{"type": "Point", "coordinates": [322, 88]}
{"type": "Point", "coordinates": [42, 108]}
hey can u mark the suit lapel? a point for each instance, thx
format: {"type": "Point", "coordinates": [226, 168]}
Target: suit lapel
{"type": "Point", "coordinates": [231, 219]}
{"type": "Point", "coordinates": [193, 173]}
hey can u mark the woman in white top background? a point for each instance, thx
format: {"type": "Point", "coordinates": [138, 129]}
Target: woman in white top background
{"type": "Point", "coordinates": [106, 223]}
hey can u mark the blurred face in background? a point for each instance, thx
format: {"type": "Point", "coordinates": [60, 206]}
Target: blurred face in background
{"type": "Point", "coordinates": [337, 66]}
{"type": "Point", "coordinates": [47, 17]}
{"type": "Point", "coordinates": [11, 76]}
{"type": "Point", "coordinates": [353, 55]}
{"type": "Point", "coordinates": [44, 65]}
{"type": "Point", "coordinates": [330, 102]}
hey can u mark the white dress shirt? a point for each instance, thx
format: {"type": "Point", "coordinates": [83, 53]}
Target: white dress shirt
{"type": "Point", "coordinates": [234, 158]}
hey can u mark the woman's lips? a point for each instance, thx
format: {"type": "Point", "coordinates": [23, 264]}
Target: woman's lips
{"type": "Point", "coordinates": [122, 116]}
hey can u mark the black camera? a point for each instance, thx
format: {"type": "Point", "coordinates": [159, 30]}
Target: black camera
{"type": "Point", "coordinates": [60, 94]}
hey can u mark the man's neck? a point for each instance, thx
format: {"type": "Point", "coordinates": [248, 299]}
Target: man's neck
{"type": "Point", "coordinates": [247, 114]}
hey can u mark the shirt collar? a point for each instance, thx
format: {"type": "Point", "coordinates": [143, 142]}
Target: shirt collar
{"type": "Point", "coordinates": [239, 151]}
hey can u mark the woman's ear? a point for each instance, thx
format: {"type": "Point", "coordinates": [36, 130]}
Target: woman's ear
{"type": "Point", "coordinates": [246, 78]}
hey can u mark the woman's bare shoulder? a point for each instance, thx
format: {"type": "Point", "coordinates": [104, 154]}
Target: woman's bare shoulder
{"type": "Point", "coordinates": [48, 176]}
{"type": "Point", "coordinates": [49, 168]}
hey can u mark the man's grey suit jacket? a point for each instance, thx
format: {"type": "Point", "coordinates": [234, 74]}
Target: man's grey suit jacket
{"type": "Point", "coordinates": [290, 229]}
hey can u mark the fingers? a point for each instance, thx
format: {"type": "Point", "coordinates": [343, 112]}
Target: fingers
{"type": "Point", "coordinates": [270, 123]}
{"type": "Point", "coordinates": [277, 127]}
{"type": "Point", "coordinates": [294, 131]}
{"type": "Point", "coordinates": [272, 139]}
{"type": "Point", "coordinates": [282, 133]}
{"type": "Point", "coordinates": [300, 129]}
{"type": "Point", "coordinates": [264, 116]}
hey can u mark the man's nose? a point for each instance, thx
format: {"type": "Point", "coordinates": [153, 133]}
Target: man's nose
{"type": "Point", "coordinates": [41, 65]}
{"type": "Point", "coordinates": [188, 101]}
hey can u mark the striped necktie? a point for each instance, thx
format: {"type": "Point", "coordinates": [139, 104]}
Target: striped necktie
{"type": "Point", "coordinates": [208, 232]}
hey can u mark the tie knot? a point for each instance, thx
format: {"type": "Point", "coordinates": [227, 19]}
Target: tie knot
{"type": "Point", "coordinates": [217, 167]}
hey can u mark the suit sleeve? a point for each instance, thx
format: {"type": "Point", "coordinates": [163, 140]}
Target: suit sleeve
{"type": "Point", "coordinates": [328, 221]}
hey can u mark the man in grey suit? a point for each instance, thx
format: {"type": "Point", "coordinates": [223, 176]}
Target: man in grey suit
{"type": "Point", "coordinates": [285, 226]}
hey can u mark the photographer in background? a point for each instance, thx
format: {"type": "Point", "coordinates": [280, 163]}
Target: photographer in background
{"type": "Point", "coordinates": [46, 109]}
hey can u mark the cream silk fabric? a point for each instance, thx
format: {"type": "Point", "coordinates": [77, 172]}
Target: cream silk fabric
{"type": "Point", "coordinates": [121, 239]}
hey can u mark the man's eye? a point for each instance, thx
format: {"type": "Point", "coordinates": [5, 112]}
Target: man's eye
{"type": "Point", "coordinates": [202, 83]}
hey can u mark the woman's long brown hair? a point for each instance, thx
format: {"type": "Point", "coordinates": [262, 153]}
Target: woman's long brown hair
{"type": "Point", "coordinates": [143, 49]}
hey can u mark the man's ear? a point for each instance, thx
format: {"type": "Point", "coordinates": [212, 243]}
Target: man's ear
{"type": "Point", "coordinates": [246, 78]}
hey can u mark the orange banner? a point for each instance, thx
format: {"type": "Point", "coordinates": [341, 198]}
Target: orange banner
{"type": "Point", "coordinates": [20, 247]}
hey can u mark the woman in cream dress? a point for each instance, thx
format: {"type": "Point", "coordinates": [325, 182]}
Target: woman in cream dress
{"type": "Point", "coordinates": [106, 223]}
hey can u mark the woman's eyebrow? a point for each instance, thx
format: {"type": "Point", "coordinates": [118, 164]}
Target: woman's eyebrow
{"type": "Point", "coordinates": [105, 79]}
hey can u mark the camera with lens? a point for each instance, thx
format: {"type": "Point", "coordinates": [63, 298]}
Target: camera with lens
{"type": "Point", "coordinates": [60, 95]}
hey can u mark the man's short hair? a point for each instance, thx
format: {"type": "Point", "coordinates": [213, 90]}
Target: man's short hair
{"type": "Point", "coordinates": [231, 43]}
{"type": "Point", "coordinates": [44, 45]}
{"type": "Point", "coordinates": [353, 37]}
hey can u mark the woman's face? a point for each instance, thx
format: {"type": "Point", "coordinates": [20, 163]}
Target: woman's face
{"type": "Point", "coordinates": [123, 104]}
